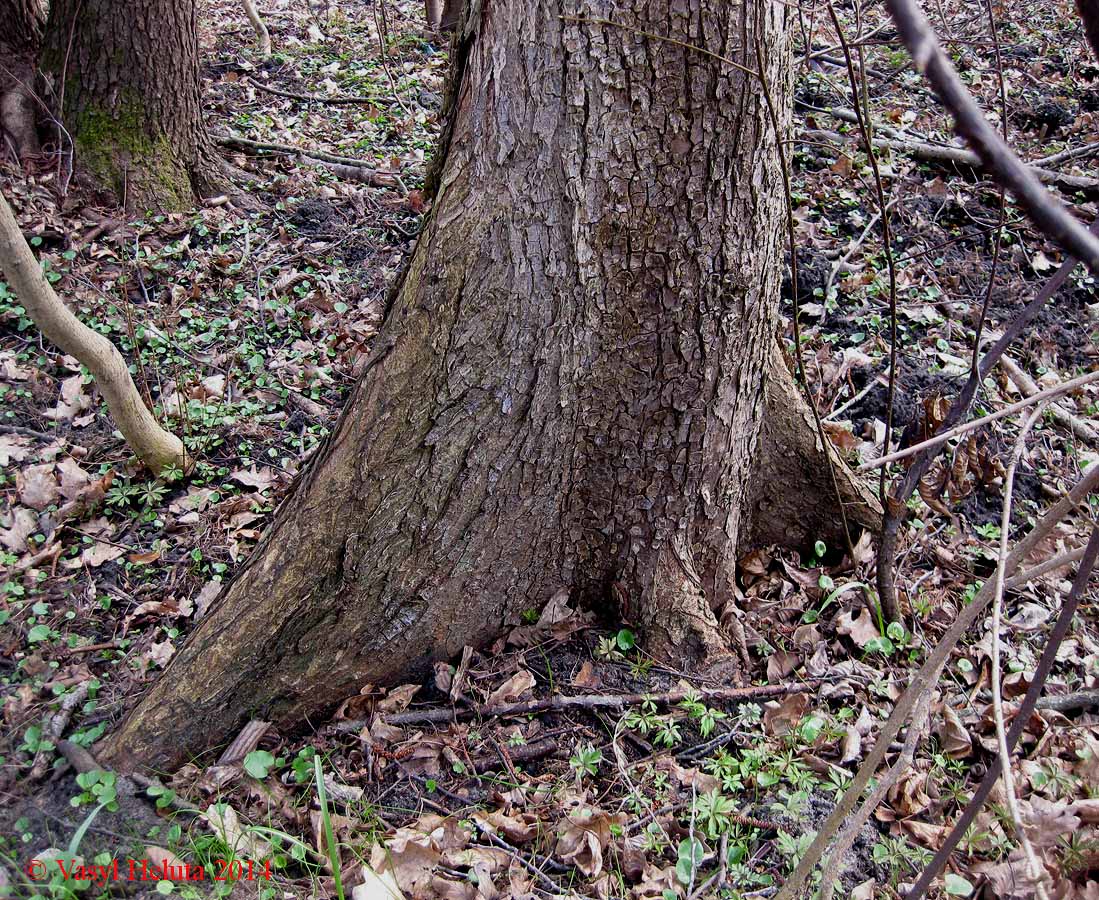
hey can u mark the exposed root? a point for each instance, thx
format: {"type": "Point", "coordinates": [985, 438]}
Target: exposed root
{"type": "Point", "coordinates": [679, 624]}
{"type": "Point", "coordinates": [793, 496]}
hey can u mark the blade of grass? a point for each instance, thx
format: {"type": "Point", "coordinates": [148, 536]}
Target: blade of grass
{"type": "Point", "coordinates": [329, 838]}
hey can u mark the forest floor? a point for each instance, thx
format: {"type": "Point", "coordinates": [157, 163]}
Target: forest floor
{"type": "Point", "coordinates": [247, 324]}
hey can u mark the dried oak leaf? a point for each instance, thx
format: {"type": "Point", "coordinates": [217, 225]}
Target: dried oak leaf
{"type": "Point", "coordinates": [21, 524]}
{"type": "Point", "coordinates": [860, 628]}
{"type": "Point", "coordinates": [1046, 821]}
{"type": "Point", "coordinates": [512, 689]}
{"type": "Point", "coordinates": [780, 717]}
{"type": "Point", "coordinates": [954, 739]}
{"type": "Point", "coordinates": [583, 834]}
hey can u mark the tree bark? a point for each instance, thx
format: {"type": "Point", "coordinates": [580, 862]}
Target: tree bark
{"type": "Point", "coordinates": [127, 89]}
{"type": "Point", "coordinates": [19, 45]}
{"type": "Point", "coordinates": [568, 387]}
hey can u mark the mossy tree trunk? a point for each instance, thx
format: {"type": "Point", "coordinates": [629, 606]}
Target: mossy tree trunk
{"type": "Point", "coordinates": [567, 391]}
{"type": "Point", "coordinates": [20, 39]}
{"type": "Point", "coordinates": [127, 89]}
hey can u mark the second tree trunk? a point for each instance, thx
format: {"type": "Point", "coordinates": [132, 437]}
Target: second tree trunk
{"type": "Point", "coordinates": [126, 84]}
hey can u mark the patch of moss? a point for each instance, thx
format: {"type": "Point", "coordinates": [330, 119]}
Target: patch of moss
{"type": "Point", "coordinates": [116, 149]}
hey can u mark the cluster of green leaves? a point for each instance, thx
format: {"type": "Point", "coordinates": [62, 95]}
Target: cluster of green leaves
{"type": "Point", "coordinates": [98, 787]}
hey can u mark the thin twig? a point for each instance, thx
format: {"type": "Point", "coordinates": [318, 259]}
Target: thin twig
{"type": "Point", "coordinates": [854, 825]}
{"type": "Point", "coordinates": [262, 34]}
{"type": "Point", "coordinates": [904, 486]}
{"type": "Point", "coordinates": [997, 696]}
{"type": "Point", "coordinates": [232, 140]}
{"type": "Point", "coordinates": [380, 26]}
{"type": "Point", "coordinates": [799, 357]}
{"type": "Point", "coordinates": [887, 594]}
{"type": "Point", "coordinates": [924, 680]}
{"type": "Point", "coordinates": [1055, 391]}
{"type": "Point", "coordinates": [1022, 716]}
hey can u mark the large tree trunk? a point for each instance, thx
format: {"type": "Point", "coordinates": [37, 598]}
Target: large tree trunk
{"type": "Point", "coordinates": [127, 89]}
{"type": "Point", "coordinates": [20, 38]}
{"type": "Point", "coordinates": [567, 391]}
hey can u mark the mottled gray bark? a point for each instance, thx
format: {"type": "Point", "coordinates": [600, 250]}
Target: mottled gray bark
{"type": "Point", "coordinates": [566, 392]}
{"type": "Point", "coordinates": [126, 86]}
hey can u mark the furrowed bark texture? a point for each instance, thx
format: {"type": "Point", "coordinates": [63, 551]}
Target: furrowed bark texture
{"type": "Point", "coordinates": [20, 38]}
{"type": "Point", "coordinates": [126, 84]}
{"type": "Point", "coordinates": [567, 390]}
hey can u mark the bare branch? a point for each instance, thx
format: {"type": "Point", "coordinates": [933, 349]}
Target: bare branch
{"type": "Point", "coordinates": [1051, 216]}
{"type": "Point", "coordinates": [157, 448]}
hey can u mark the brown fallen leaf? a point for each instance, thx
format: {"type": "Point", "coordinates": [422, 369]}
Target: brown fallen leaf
{"type": "Point", "coordinates": [780, 664]}
{"type": "Point", "coordinates": [1046, 821]}
{"type": "Point", "coordinates": [516, 828]}
{"type": "Point", "coordinates": [72, 400]}
{"type": "Point", "coordinates": [260, 479]}
{"type": "Point", "coordinates": [954, 739]}
{"type": "Point", "coordinates": [225, 823]}
{"type": "Point", "coordinates": [860, 628]}
{"type": "Point", "coordinates": [73, 478]}
{"type": "Point", "coordinates": [398, 698]}
{"type": "Point", "coordinates": [780, 717]}
{"type": "Point", "coordinates": [160, 857]}
{"type": "Point", "coordinates": [1007, 879]}
{"type": "Point", "coordinates": [160, 653]}
{"type": "Point", "coordinates": [20, 525]}
{"type": "Point", "coordinates": [512, 689]}
{"type": "Point", "coordinates": [583, 835]}
{"type": "Point", "coordinates": [37, 486]}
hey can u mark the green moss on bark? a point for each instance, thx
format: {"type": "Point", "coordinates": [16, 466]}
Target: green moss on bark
{"type": "Point", "coordinates": [116, 150]}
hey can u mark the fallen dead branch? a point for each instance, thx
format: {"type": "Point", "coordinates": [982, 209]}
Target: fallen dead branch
{"type": "Point", "coordinates": [1029, 388]}
{"type": "Point", "coordinates": [1077, 700]}
{"type": "Point", "coordinates": [937, 153]}
{"type": "Point", "coordinates": [339, 165]}
{"type": "Point", "coordinates": [584, 701]}
{"type": "Point", "coordinates": [311, 98]}
{"type": "Point", "coordinates": [881, 789]}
